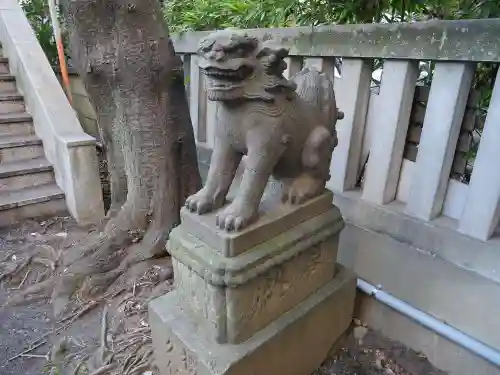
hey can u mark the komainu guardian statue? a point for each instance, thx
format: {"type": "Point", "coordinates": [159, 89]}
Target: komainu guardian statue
{"type": "Point", "coordinates": [285, 127]}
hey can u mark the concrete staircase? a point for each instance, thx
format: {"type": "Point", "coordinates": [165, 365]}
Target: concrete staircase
{"type": "Point", "coordinates": [27, 184]}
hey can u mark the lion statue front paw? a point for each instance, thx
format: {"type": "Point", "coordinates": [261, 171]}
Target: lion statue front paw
{"type": "Point", "coordinates": [204, 201]}
{"type": "Point", "coordinates": [235, 216]}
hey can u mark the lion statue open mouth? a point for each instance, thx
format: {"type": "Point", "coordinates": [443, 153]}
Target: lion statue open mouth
{"type": "Point", "coordinates": [240, 67]}
{"type": "Point", "coordinates": [285, 127]}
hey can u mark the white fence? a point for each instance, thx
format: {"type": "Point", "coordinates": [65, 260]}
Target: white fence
{"type": "Point", "coordinates": [379, 123]}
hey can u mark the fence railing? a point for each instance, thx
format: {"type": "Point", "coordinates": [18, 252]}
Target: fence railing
{"type": "Point", "coordinates": [378, 144]}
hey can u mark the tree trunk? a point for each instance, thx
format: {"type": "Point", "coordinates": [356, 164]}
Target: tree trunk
{"type": "Point", "coordinates": [123, 53]}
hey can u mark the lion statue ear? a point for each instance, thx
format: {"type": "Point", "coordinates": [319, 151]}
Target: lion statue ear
{"type": "Point", "coordinates": [273, 57]}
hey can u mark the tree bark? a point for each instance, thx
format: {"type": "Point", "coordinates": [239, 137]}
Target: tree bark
{"type": "Point", "coordinates": [123, 53]}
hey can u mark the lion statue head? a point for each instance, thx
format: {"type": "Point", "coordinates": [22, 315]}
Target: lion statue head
{"type": "Point", "coordinates": [238, 66]}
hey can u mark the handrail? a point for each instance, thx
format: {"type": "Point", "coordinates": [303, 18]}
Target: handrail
{"type": "Point", "coordinates": [450, 40]}
{"type": "Point", "coordinates": [66, 146]}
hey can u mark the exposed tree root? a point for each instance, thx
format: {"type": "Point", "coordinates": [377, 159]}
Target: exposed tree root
{"type": "Point", "coordinates": [39, 256]}
{"type": "Point", "coordinates": [125, 345]}
{"type": "Point", "coordinates": [13, 269]}
{"type": "Point", "coordinates": [123, 274]}
{"type": "Point", "coordinates": [38, 291]}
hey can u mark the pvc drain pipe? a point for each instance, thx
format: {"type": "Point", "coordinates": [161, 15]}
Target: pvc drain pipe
{"type": "Point", "coordinates": [443, 329]}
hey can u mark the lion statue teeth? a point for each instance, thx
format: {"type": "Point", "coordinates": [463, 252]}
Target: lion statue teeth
{"type": "Point", "coordinates": [286, 128]}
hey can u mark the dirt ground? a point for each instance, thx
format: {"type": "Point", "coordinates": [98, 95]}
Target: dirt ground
{"type": "Point", "coordinates": [363, 351]}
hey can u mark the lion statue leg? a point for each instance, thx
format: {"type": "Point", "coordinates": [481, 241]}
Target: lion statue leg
{"type": "Point", "coordinates": [223, 166]}
{"type": "Point", "coordinates": [264, 152]}
{"type": "Point", "coordinates": [316, 158]}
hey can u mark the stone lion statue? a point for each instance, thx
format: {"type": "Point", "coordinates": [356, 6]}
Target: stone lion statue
{"type": "Point", "coordinates": [286, 128]}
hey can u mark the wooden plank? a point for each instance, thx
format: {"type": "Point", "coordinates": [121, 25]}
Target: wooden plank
{"type": "Point", "coordinates": [447, 100]}
{"type": "Point", "coordinates": [391, 121]}
{"type": "Point", "coordinates": [482, 208]}
{"type": "Point", "coordinates": [353, 91]}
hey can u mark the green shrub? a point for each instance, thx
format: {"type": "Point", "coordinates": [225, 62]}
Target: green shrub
{"type": "Point", "coordinates": [37, 12]}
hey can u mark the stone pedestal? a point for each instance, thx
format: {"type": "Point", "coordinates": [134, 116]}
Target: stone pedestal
{"type": "Point", "coordinates": [267, 300]}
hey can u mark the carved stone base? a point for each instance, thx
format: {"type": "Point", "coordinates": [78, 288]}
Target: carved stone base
{"type": "Point", "coordinates": [295, 344]}
{"type": "Point", "coordinates": [272, 289]}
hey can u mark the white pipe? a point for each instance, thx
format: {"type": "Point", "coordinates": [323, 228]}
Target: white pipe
{"type": "Point", "coordinates": [443, 329]}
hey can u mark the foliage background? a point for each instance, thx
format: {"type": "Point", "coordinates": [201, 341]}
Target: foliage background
{"type": "Point", "coordinates": [37, 12]}
{"type": "Point", "coordinates": [198, 15]}
{"type": "Point", "coordinates": [216, 14]}
{"type": "Point", "coordinates": [213, 14]}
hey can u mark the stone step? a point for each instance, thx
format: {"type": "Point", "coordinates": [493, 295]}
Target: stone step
{"type": "Point", "coordinates": [16, 124]}
{"type": "Point", "coordinates": [4, 65]}
{"type": "Point", "coordinates": [11, 103]}
{"type": "Point", "coordinates": [26, 173]}
{"type": "Point", "coordinates": [39, 201]}
{"type": "Point", "coordinates": [14, 148]}
{"type": "Point", "coordinates": [7, 83]}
